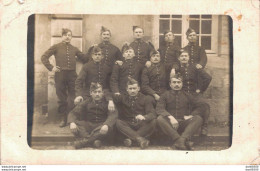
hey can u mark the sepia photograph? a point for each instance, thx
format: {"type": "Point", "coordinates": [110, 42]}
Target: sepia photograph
{"type": "Point", "coordinates": [113, 82]}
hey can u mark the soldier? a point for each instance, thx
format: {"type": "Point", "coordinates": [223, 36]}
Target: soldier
{"type": "Point", "coordinates": [141, 48]}
{"type": "Point", "coordinates": [65, 72]}
{"type": "Point", "coordinates": [94, 71]}
{"type": "Point", "coordinates": [130, 67]}
{"type": "Point", "coordinates": [179, 114]}
{"type": "Point", "coordinates": [170, 50]}
{"type": "Point", "coordinates": [155, 79]}
{"type": "Point", "coordinates": [197, 53]}
{"type": "Point", "coordinates": [111, 52]}
{"type": "Point", "coordinates": [91, 119]}
{"type": "Point", "coordinates": [136, 115]}
{"type": "Point", "coordinates": [195, 82]}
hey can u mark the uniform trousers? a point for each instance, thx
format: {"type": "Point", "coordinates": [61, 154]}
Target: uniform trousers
{"type": "Point", "coordinates": [186, 127]}
{"type": "Point", "coordinates": [134, 130]}
{"type": "Point", "coordinates": [91, 131]}
{"type": "Point", "coordinates": [65, 90]}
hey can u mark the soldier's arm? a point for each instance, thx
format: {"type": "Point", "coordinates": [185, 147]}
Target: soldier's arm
{"type": "Point", "coordinates": [80, 81]}
{"type": "Point", "coordinates": [45, 57]}
{"type": "Point", "coordinates": [118, 55]}
{"type": "Point", "coordinates": [196, 105]}
{"type": "Point", "coordinates": [115, 79]}
{"type": "Point", "coordinates": [111, 118]}
{"type": "Point", "coordinates": [84, 58]}
{"type": "Point", "coordinates": [161, 106]}
{"type": "Point", "coordinates": [145, 86]}
{"type": "Point", "coordinates": [150, 113]}
{"type": "Point", "coordinates": [75, 114]}
{"type": "Point", "coordinates": [204, 80]}
{"type": "Point", "coordinates": [203, 57]}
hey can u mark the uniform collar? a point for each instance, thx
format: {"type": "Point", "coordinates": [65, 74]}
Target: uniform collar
{"type": "Point", "coordinates": [139, 40]}
{"type": "Point", "coordinates": [185, 65]}
{"type": "Point", "coordinates": [66, 43]}
{"type": "Point", "coordinates": [175, 91]}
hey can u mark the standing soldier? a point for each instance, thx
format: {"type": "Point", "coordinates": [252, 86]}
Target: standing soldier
{"type": "Point", "coordinates": [91, 119]}
{"type": "Point", "coordinates": [141, 48]}
{"type": "Point", "coordinates": [65, 72]}
{"type": "Point", "coordinates": [179, 114]}
{"type": "Point", "coordinates": [111, 52]}
{"type": "Point", "coordinates": [195, 82]}
{"type": "Point", "coordinates": [197, 53]}
{"type": "Point", "coordinates": [94, 71]}
{"type": "Point", "coordinates": [129, 68]}
{"type": "Point", "coordinates": [155, 79]}
{"type": "Point", "coordinates": [170, 50]}
{"type": "Point", "coordinates": [136, 115]}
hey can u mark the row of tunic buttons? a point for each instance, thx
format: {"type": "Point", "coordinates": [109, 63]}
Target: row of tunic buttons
{"type": "Point", "coordinates": [158, 78]}
{"type": "Point", "coordinates": [132, 106]}
{"type": "Point", "coordinates": [166, 53]}
{"type": "Point", "coordinates": [186, 74]}
{"type": "Point", "coordinates": [177, 104]}
{"type": "Point", "coordinates": [99, 73]}
{"type": "Point", "coordinates": [138, 52]}
{"type": "Point", "coordinates": [191, 54]}
{"type": "Point", "coordinates": [68, 57]}
{"type": "Point", "coordinates": [130, 69]}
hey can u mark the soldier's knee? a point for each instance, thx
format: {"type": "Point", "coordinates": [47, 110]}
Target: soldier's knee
{"type": "Point", "coordinates": [160, 120]}
{"type": "Point", "coordinates": [119, 123]}
{"type": "Point", "coordinates": [197, 118]}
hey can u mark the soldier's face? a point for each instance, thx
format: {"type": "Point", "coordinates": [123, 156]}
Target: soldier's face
{"type": "Point", "coordinates": [184, 58]}
{"type": "Point", "coordinates": [138, 33]}
{"type": "Point", "coordinates": [155, 58]}
{"type": "Point", "coordinates": [192, 37]}
{"type": "Point", "coordinates": [97, 57]}
{"type": "Point", "coordinates": [97, 94]}
{"type": "Point", "coordinates": [67, 37]}
{"type": "Point", "coordinates": [176, 84]}
{"type": "Point", "coordinates": [105, 36]}
{"type": "Point", "coordinates": [129, 54]}
{"type": "Point", "coordinates": [133, 89]}
{"type": "Point", "coordinates": [169, 37]}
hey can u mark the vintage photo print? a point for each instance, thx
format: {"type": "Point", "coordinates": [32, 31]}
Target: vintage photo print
{"type": "Point", "coordinates": [134, 61]}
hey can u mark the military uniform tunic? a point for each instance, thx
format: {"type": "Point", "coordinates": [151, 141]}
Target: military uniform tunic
{"type": "Point", "coordinates": [120, 75]}
{"type": "Point", "coordinates": [142, 51]}
{"type": "Point", "coordinates": [92, 72]}
{"type": "Point", "coordinates": [197, 54]}
{"type": "Point", "coordinates": [169, 54]}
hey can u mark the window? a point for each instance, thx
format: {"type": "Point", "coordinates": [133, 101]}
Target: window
{"type": "Point", "coordinates": [205, 26]}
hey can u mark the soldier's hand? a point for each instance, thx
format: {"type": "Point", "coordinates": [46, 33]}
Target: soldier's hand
{"type": "Point", "coordinates": [174, 122]}
{"type": "Point", "coordinates": [198, 66]}
{"type": "Point", "coordinates": [73, 127]}
{"type": "Point", "coordinates": [157, 97]}
{"type": "Point", "coordinates": [198, 91]}
{"type": "Point", "coordinates": [93, 45]}
{"type": "Point", "coordinates": [188, 117]}
{"type": "Point", "coordinates": [111, 106]}
{"type": "Point", "coordinates": [173, 72]}
{"type": "Point", "coordinates": [56, 69]}
{"type": "Point", "coordinates": [148, 64]}
{"type": "Point", "coordinates": [103, 129]}
{"type": "Point", "coordinates": [117, 94]}
{"type": "Point", "coordinates": [140, 117]}
{"type": "Point", "coordinates": [78, 100]}
{"type": "Point", "coordinates": [120, 63]}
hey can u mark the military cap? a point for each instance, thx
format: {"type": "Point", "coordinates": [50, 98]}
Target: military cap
{"type": "Point", "coordinates": [153, 52]}
{"type": "Point", "coordinates": [104, 29]}
{"type": "Point", "coordinates": [182, 51]}
{"type": "Point", "coordinates": [65, 31]}
{"type": "Point", "coordinates": [94, 49]}
{"type": "Point", "coordinates": [126, 47]}
{"type": "Point", "coordinates": [189, 31]}
{"type": "Point", "coordinates": [95, 86]}
{"type": "Point", "coordinates": [166, 32]}
{"type": "Point", "coordinates": [177, 76]}
{"type": "Point", "coordinates": [135, 27]}
{"type": "Point", "coordinates": [131, 81]}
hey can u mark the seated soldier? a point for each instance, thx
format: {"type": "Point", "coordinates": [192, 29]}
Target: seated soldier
{"type": "Point", "coordinates": [91, 119]}
{"type": "Point", "coordinates": [195, 82]}
{"type": "Point", "coordinates": [155, 78]}
{"type": "Point", "coordinates": [129, 68]}
{"type": "Point", "coordinates": [94, 71]}
{"type": "Point", "coordinates": [178, 118]}
{"type": "Point", "coordinates": [136, 115]}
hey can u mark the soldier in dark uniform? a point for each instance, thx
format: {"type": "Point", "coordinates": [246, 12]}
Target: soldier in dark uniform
{"type": "Point", "coordinates": [179, 114]}
{"type": "Point", "coordinates": [195, 82]}
{"type": "Point", "coordinates": [136, 115]}
{"type": "Point", "coordinates": [111, 52]}
{"type": "Point", "coordinates": [197, 53]}
{"type": "Point", "coordinates": [141, 48]}
{"type": "Point", "coordinates": [94, 71]}
{"type": "Point", "coordinates": [155, 79]}
{"type": "Point", "coordinates": [170, 50]}
{"type": "Point", "coordinates": [91, 119]}
{"type": "Point", "coordinates": [65, 71]}
{"type": "Point", "coordinates": [120, 73]}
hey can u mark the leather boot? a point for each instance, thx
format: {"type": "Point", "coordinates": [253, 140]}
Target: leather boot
{"type": "Point", "coordinates": [81, 143]}
{"type": "Point", "coordinates": [144, 143]}
{"type": "Point", "coordinates": [128, 142]}
{"type": "Point", "coordinates": [180, 144]}
{"type": "Point", "coordinates": [63, 122]}
{"type": "Point", "coordinates": [204, 130]}
{"type": "Point", "coordinates": [97, 144]}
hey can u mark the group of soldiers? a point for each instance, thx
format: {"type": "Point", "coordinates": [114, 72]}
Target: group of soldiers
{"type": "Point", "coordinates": [134, 92]}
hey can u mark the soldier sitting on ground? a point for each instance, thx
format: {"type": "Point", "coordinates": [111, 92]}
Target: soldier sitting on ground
{"type": "Point", "coordinates": [136, 119]}
{"type": "Point", "coordinates": [179, 114]}
{"type": "Point", "coordinates": [91, 119]}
